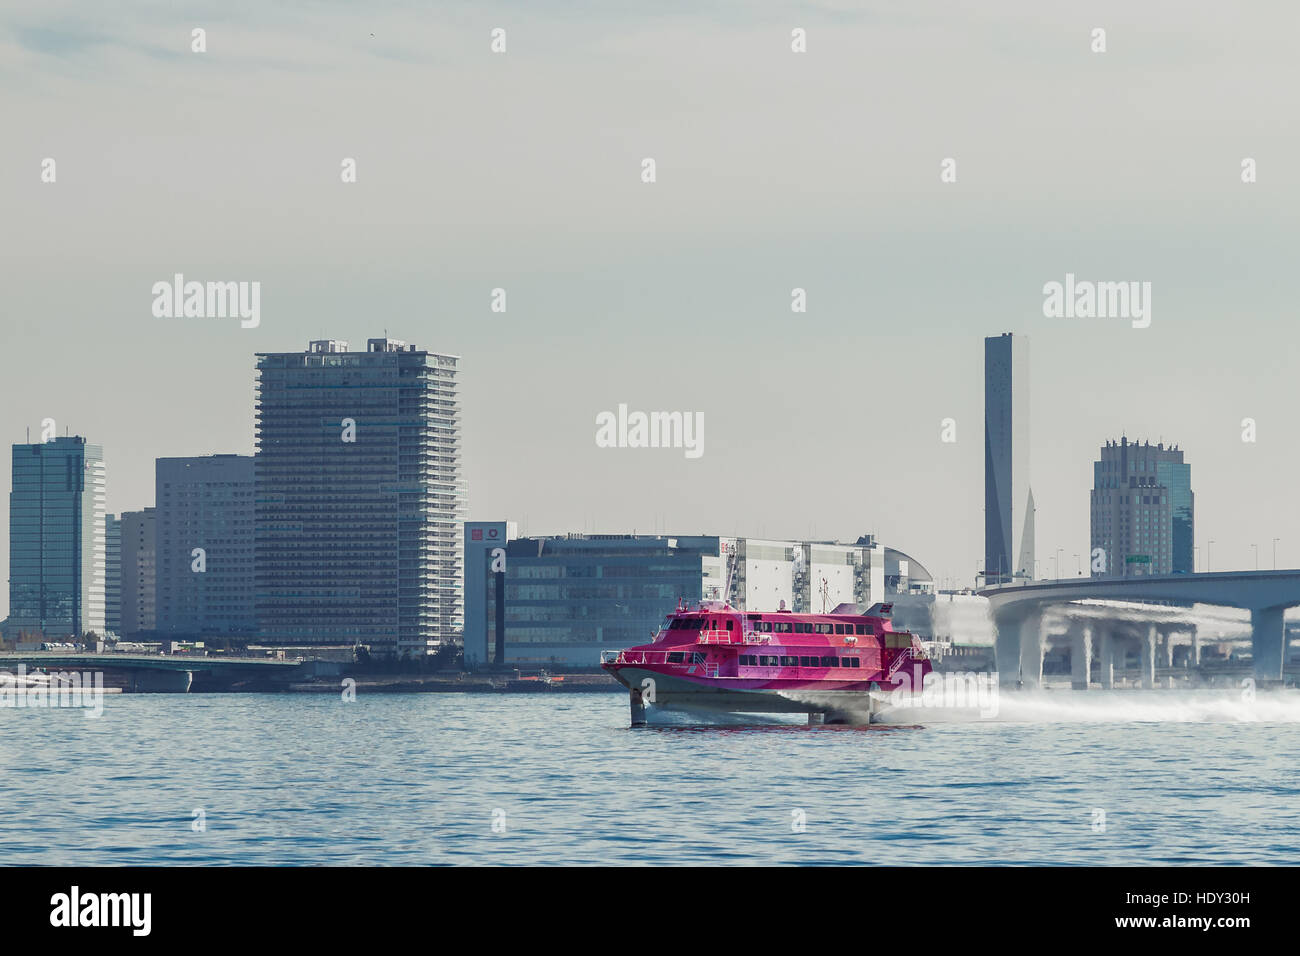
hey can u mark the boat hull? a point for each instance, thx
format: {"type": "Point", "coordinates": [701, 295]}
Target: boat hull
{"type": "Point", "coordinates": [848, 702]}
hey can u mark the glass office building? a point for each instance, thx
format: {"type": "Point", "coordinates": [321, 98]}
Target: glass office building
{"type": "Point", "coordinates": [563, 599]}
{"type": "Point", "coordinates": [57, 546]}
{"type": "Point", "coordinates": [1176, 477]}
{"type": "Point", "coordinates": [359, 497]}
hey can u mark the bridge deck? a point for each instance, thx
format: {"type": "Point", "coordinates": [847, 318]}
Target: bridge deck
{"type": "Point", "coordinates": [48, 659]}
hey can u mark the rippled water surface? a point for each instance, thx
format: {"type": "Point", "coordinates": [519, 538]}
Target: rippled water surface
{"type": "Point", "coordinates": [418, 779]}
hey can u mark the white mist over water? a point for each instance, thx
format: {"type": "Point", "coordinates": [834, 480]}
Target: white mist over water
{"type": "Point", "coordinates": [1114, 706]}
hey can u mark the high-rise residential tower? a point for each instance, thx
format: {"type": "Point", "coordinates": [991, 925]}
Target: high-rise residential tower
{"type": "Point", "coordinates": [1008, 498]}
{"type": "Point", "coordinates": [57, 539]}
{"type": "Point", "coordinates": [204, 515]}
{"type": "Point", "coordinates": [1142, 510]}
{"type": "Point", "coordinates": [139, 573]}
{"type": "Point", "coordinates": [359, 498]}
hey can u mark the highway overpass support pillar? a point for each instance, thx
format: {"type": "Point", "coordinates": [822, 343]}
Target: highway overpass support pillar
{"type": "Point", "coordinates": [1106, 660]}
{"type": "Point", "coordinates": [1006, 647]}
{"type": "Point", "coordinates": [1031, 650]}
{"type": "Point", "coordinates": [1268, 643]}
{"type": "Point", "coordinates": [1081, 658]}
{"type": "Point", "coordinates": [1149, 657]}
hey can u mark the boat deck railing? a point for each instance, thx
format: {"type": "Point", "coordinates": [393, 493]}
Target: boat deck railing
{"type": "Point", "coordinates": [633, 656]}
{"type": "Point", "coordinates": [902, 658]}
{"type": "Point", "coordinates": [629, 656]}
{"type": "Point", "coordinates": [720, 636]}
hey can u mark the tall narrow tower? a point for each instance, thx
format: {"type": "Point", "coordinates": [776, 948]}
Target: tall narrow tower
{"type": "Point", "coordinates": [1008, 499]}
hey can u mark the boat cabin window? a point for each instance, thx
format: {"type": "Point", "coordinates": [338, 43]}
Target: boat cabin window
{"type": "Point", "coordinates": [849, 661]}
{"type": "Point", "coordinates": [676, 658]}
{"type": "Point", "coordinates": [823, 629]}
{"type": "Point", "coordinates": [807, 661]}
{"type": "Point", "coordinates": [862, 629]}
{"type": "Point", "coordinates": [839, 628]}
{"type": "Point", "coordinates": [763, 626]}
{"type": "Point", "coordinates": [803, 627]}
{"type": "Point", "coordinates": [767, 660]}
{"type": "Point", "coordinates": [782, 627]}
{"type": "Point", "coordinates": [789, 661]}
{"type": "Point", "coordinates": [829, 662]}
{"type": "Point", "coordinates": [731, 625]}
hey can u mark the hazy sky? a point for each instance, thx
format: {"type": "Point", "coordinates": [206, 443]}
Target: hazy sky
{"type": "Point", "coordinates": [775, 170]}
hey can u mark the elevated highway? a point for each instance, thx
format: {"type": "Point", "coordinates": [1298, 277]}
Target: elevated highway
{"type": "Point", "coordinates": [160, 673]}
{"type": "Point", "coordinates": [1018, 611]}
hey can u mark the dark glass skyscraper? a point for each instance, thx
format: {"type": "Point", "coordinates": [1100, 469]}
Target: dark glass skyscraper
{"type": "Point", "coordinates": [359, 499]}
{"type": "Point", "coordinates": [56, 538]}
{"type": "Point", "coordinates": [1008, 499]}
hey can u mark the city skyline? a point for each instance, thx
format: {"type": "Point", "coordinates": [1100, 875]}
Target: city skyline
{"type": "Point", "coordinates": [660, 295]}
{"type": "Point", "coordinates": [496, 433]}
{"type": "Point", "coordinates": [1041, 570]}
